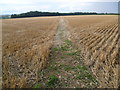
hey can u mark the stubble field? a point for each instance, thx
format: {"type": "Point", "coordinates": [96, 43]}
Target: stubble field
{"type": "Point", "coordinates": [98, 39]}
{"type": "Point", "coordinates": [28, 44]}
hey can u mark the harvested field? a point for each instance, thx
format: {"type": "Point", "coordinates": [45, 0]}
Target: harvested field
{"type": "Point", "coordinates": [26, 47]}
{"type": "Point", "coordinates": [97, 37]}
{"type": "Point", "coordinates": [67, 51]}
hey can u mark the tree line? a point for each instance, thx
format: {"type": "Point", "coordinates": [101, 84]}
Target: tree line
{"type": "Point", "coordinates": [39, 14]}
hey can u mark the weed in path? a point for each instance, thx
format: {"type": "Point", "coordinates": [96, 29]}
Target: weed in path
{"type": "Point", "coordinates": [52, 68]}
{"type": "Point", "coordinates": [53, 80]}
{"type": "Point", "coordinates": [71, 53]}
{"type": "Point", "coordinates": [60, 49]}
{"type": "Point", "coordinates": [62, 57]}
{"type": "Point", "coordinates": [67, 68]}
{"type": "Point", "coordinates": [56, 49]}
{"type": "Point", "coordinates": [85, 74]}
{"type": "Point", "coordinates": [68, 42]}
{"type": "Point", "coordinates": [38, 86]}
{"type": "Point", "coordinates": [65, 47]}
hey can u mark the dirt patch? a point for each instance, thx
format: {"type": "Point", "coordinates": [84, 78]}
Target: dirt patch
{"type": "Point", "coordinates": [62, 33]}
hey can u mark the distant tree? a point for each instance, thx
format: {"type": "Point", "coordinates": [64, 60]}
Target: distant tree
{"type": "Point", "coordinates": [39, 14]}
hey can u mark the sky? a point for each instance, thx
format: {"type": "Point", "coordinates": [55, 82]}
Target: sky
{"type": "Point", "coordinates": [21, 6]}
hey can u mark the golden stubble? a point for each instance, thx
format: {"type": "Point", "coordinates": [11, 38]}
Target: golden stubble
{"type": "Point", "coordinates": [97, 37]}
{"type": "Point", "coordinates": [26, 47]}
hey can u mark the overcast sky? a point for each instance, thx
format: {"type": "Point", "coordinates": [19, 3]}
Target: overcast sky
{"type": "Point", "coordinates": [21, 6]}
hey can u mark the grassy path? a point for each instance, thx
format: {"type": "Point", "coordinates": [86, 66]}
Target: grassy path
{"type": "Point", "coordinates": [65, 68]}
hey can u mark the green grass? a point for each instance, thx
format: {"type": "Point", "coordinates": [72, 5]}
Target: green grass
{"type": "Point", "coordinates": [85, 74]}
{"type": "Point", "coordinates": [53, 80]}
{"type": "Point", "coordinates": [38, 86]}
{"type": "Point", "coordinates": [62, 57]}
{"type": "Point", "coordinates": [56, 49]}
{"type": "Point", "coordinates": [71, 53]}
{"type": "Point", "coordinates": [52, 68]}
{"type": "Point", "coordinates": [82, 68]}
{"type": "Point", "coordinates": [62, 48]}
{"type": "Point", "coordinates": [67, 67]}
{"type": "Point", "coordinates": [65, 47]}
{"type": "Point", "coordinates": [68, 42]}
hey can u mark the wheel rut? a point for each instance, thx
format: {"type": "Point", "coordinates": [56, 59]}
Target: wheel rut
{"type": "Point", "coordinates": [62, 34]}
{"type": "Point", "coordinates": [65, 67]}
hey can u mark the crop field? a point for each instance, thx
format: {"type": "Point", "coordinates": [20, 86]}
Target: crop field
{"type": "Point", "coordinates": [98, 37]}
{"type": "Point", "coordinates": [26, 44]}
{"type": "Point", "coordinates": [66, 51]}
